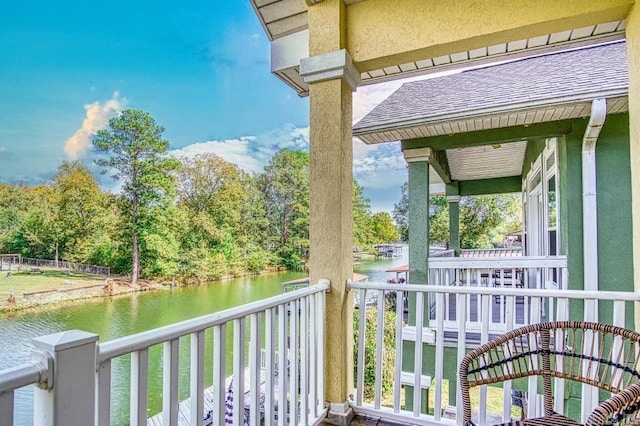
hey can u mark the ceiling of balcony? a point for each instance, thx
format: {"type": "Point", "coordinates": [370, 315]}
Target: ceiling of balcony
{"type": "Point", "coordinates": [281, 18]}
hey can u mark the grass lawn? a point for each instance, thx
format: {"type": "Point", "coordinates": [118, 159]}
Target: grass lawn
{"type": "Point", "coordinates": [21, 282]}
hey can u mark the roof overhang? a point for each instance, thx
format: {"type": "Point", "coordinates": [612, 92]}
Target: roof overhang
{"type": "Point", "coordinates": [285, 23]}
{"type": "Point", "coordinates": [495, 118]}
{"type": "Point", "coordinates": [489, 158]}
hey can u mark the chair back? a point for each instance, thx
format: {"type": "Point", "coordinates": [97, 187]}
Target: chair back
{"type": "Point", "coordinates": [596, 354]}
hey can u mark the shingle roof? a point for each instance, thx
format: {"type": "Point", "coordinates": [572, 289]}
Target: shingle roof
{"type": "Point", "coordinates": [593, 70]}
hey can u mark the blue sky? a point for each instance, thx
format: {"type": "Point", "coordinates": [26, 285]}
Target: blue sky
{"type": "Point", "coordinates": [201, 69]}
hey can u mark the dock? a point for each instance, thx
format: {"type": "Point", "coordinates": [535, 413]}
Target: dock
{"type": "Point", "coordinates": [184, 408]}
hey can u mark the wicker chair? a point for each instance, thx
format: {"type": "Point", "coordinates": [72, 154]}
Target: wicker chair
{"type": "Point", "coordinates": [563, 350]}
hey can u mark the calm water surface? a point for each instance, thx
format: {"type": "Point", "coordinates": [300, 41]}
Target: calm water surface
{"type": "Point", "coordinates": [133, 313]}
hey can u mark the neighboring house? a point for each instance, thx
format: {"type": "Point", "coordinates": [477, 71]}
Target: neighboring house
{"type": "Point", "coordinates": [533, 126]}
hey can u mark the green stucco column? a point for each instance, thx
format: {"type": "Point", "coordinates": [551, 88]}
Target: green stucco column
{"type": "Point", "coordinates": [454, 223]}
{"type": "Point", "coordinates": [417, 160]}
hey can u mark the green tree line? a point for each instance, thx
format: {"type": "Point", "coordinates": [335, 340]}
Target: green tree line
{"type": "Point", "coordinates": [197, 218]}
{"type": "Point", "coordinates": [484, 219]}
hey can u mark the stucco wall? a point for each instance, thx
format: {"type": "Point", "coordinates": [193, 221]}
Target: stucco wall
{"type": "Point", "coordinates": [615, 259]}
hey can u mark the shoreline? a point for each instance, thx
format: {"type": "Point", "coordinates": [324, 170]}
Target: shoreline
{"type": "Point", "coordinates": [52, 299]}
{"type": "Point", "coordinates": [55, 299]}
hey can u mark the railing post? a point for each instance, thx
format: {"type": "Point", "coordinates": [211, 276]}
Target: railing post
{"type": "Point", "coordinates": [71, 400]}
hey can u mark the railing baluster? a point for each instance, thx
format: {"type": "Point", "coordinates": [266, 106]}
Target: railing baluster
{"type": "Point", "coordinates": [619, 314]}
{"type": "Point", "coordinates": [6, 408]}
{"type": "Point", "coordinates": [197, 379]}
{"type": "Point", "coordinates": [417, 364]}
{"type": "Point", "coordinates": [461, 308]}
{"type": "Point", "coordinates": [379, 350]}
{"type": "Point", "coordinates": [534, 317]}
{"type": "Point", "coordinates": [219, 372]}
{"type": "Point", "coordinates": [361, 340]}
{"type": "Point", "coordinates": [397, 376]}
{"type": "Point", "coordinates": [269, 382]}
{"type": "Point", "coordinates": [139, 387]}
{"type": "Point", "coordinates": [293, 366]}
{"type": "Point", "coordinates": [322, 299]}
{"type": "Point", "coordinates": [238, 371]}
{"type": "Point", "coordinates": [283, 359]}
{"type": "Point", "coordinates": [509, 314]}
{"type": "Point", "coordinates": [485, 300]}
{"type": "Point", "coordinates": [313, 360]}
{"type": "Point", "coordinates": [254, 370]}
{"type": "Point", "coordinates": [103, 394]}
{"type": "Point", "coordinates": [439, 355]}
{"type": "Point", "coordinates": [304, 355]}
{"type": "Point", "coordinates": [170, 382]}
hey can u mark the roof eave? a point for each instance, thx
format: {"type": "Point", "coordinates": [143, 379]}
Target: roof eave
{"type": "Point", "coordinates": [509, 108]}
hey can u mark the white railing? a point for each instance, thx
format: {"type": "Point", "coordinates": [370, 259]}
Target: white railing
{"type": "Point", "coordinates": [510, 272]}
{"type": "Point", "coordinates": [499, 252]}
{"type": "Point", "coordinates": [12, 379]}
{"type": "Point", "coordinates": [279, 390]}
{"type": "Point", "coordinates": [427, 339]}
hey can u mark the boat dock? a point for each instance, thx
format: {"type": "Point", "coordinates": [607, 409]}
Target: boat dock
{"type": "Point", "coordinates": [184, 408]}
{"type": "Point", "coordinates": [388, 250]}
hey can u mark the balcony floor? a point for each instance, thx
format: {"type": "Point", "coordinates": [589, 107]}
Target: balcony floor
{"type": "Point", "coordinates": [368, 421]}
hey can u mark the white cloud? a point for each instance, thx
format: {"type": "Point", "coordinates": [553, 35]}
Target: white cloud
{"type": "Point", "coordinates": [97, 116]}
{"type": "Point", "coordinates": [235, 151]}
{"type": "Point", "coordinates": [250, 153]}
{"type": "Point", "coordinates": [380, 169]}
{"type": "Point", "coordinates": [3, 149]}
{"type": "Point", "coordinates": [383, 167]}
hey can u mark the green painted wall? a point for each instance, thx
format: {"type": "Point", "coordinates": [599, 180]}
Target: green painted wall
{"type": "Point", "coordinates": [534, 149]}
{"type": "Point", "coordinates": [491, 186]}
{"type": "Point", "coordinates": [614, 206]}
{"type": "Point", "coordinates": [615, 262]}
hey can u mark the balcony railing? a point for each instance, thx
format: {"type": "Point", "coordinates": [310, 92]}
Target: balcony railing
{"type": "Point", "coordinates": [468, 302]}
{"type": "Point", "coordinates": [277, 351]}
{"type": "Point", "coordinates": [267, 389]}
{"type": "Point", "coordinates": [502, 273]}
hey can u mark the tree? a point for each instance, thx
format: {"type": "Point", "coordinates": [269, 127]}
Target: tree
{"type": "Point", "coordinates": [484, 219]}
{"type": "Point", "coordinates": [138, 157]}
{"type": "Point", "coordinates": [81, 213]}
{"type": "Point", "coordinates": [401, 213]}
{"type": "Point", "coordinates": [383, 229]}
{"type": "Point", "coordinates": [212, 192]}
{"type": "Point", "coordinates": [285, 185]}
{"type": "Point", "coordinates": [361, 217]}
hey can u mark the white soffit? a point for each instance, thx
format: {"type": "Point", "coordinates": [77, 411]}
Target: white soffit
{"type": "Point", "coordinates": [487, 161]}
{"type": "Point", "coordinates": [515, 49]}
{"type": "Point", "coordinates": [282, 18]}
{"type": "Point", "coordinates": [476, 120]}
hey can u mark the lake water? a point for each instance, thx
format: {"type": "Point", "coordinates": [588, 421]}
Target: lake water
{"type": "Point", "coordinates": [132, 313]}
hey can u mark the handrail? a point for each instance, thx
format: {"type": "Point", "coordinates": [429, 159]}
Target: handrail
{"type": "Point", "coordinates": [627, 296]}
{"type": "Point", "coordinates": [135, 342]}
{"type": "Point", "coordinates": [498, 262]}
{"type": "Point", "coordinates": [23, 375]}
